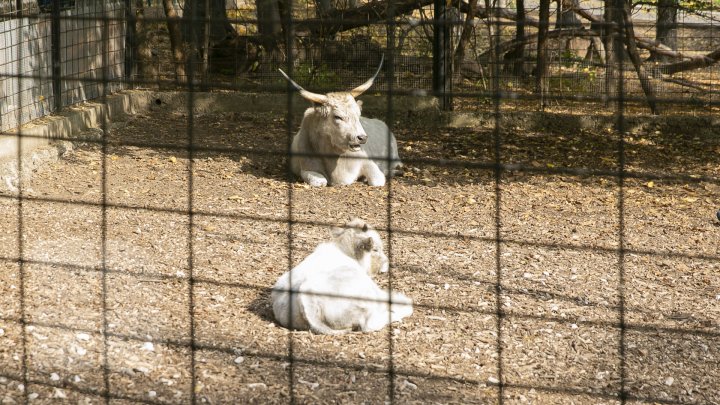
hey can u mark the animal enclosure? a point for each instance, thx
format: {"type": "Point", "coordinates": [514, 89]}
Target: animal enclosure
{"type": "Point", "coordinates": [561, 251]}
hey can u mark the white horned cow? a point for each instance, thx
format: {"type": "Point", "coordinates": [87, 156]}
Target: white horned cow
{"type": "Point", "coordinates": [336, 145]}
{"type": "Point", "coordinates": [332, 288]}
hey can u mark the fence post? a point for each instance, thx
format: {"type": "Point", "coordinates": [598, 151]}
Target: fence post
{"type": "Point", "coordinates": [55, 54]}
{"type": "Point", "coordinates": [442, 52]}
{"type": "Point", "coordinates": [130, 45]}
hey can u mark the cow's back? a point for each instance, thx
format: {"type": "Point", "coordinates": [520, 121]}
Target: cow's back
{"type": "Point", "coordinates": [377, 146]}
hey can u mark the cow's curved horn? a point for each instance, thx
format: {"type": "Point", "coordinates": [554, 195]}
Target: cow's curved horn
{"type": "Point", "coordinates": [363, 87]}
{"type": "Point", "coordinates": [307, 95]}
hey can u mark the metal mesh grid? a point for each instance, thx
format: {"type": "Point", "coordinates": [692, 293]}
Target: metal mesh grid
{"type": "Point", "coordinates": [187, 288]}
{"type": "Point", "coordinates": [83, 50]}
{"type": "Point", "coordinates": [24, 69]}
{"type": "Point", "coordinates": [92, 39]}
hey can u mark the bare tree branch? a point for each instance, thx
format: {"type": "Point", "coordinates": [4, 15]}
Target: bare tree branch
{"type": "Point", "coordinates": [377, 11]}
{"type": "Point", "coordinates": [508, 46]}
{"type": "Point", "coordinates": [686, 83]}
{"type": "Point", "coordinates": [695, 62]}
{"type": "Point", "coordinates": [342, 20]}
{"type": "Point", "coordinates": [652, 46]}
{"type": "Point", "coordinates": [629, 38]}
{"type": "Point", "coordinates": [465, 36]}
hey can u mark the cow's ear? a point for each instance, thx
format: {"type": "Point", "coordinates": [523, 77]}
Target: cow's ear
{"type": "Point", "coordinates": [367, 244]}
{"type": "Point", "coordinates": [337, 231]}
{"type": "Point", "coordinates": [359, 103]}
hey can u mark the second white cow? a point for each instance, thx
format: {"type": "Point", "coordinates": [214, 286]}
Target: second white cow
{"type": "Point", "coordinates": [332, 291]}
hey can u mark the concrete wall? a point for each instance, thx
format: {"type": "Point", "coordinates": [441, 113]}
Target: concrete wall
{"type": "Point", "coordinates": [92, 51]}
{"type": "Point", "coordinates": [25, 68]}
{"type": "Point", "coordinates": [90, 45]}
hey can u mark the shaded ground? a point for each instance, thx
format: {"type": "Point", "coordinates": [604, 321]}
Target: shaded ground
{"type": "Point", "coordinates": [560, 270]}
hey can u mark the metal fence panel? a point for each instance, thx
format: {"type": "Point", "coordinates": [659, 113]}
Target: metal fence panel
{"type": "Point", "coordinates": [559, 248]}
{"type": "Point", "coordinates": [92, 41]}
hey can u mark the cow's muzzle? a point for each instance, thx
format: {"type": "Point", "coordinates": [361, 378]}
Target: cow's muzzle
{"type": "Point", "coordinates": [359, 140]}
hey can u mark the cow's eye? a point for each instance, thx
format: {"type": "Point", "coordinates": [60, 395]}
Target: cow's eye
{"type": "Point", "coordinates": [339, 118]}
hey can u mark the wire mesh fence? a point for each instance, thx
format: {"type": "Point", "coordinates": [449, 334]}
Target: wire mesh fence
{"type": "Point", "coordinates": [567, 255]}
{"type": "Point", "coordinates": [24, 55]}
{"type": "Point", "coordinates": [347, 41]}
{"type": "Point", "coordinates": [35, 42]}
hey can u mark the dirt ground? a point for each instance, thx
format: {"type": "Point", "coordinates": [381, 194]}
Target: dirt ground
{"type": "Point", "coordinates": [184, 298]}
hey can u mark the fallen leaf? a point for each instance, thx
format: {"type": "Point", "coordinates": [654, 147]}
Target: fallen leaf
{"type": "Point", "coordinates": [650, 184]}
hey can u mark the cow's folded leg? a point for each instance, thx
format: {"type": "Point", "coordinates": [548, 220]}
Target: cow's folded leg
{"type": "Point", "coordinates": [399, 170]}
{"type": "Point", "coordinates": [374, 175]}
{"type": "Point", "coordinates": [401, 307]}
{"type": "Point", "coordinates": [376, 320]}
{"type": "Point", "coordinates": [314, 179]}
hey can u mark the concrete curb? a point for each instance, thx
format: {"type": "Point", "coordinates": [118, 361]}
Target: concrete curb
{"type": "Point", "coordinates": [223, 102]}
{"type": "Point", "coordinates": [46, 139]}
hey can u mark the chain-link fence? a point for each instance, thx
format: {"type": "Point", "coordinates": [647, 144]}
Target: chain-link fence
{"type": "Point", "coordinates": [84, 38]}
{"type": "Point", "coordinates": [558, 241]}
{"type": "Point", "coordinates": [333, 43]}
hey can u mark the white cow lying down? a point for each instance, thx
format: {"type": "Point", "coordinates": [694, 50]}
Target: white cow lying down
{"type": "Point", "coordinates": [336, 146]}
{"type": "Point", "coordinates": [332, 289]}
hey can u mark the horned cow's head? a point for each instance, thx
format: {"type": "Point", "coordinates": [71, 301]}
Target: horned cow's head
{"type": "Point", "coordinates": [341, 112]}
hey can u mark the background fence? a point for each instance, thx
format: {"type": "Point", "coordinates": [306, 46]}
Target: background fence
{"type": "Point", "coordinates": [555, 257]}
{"type": "Point", "coordinates": [328, 51]}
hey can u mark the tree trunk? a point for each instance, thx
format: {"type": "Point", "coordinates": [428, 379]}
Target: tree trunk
{"type": "Point", "coordinates": [467, 31]}
{"type": "Point", "coordinates": [635, 58]}
{"type": "Point", "coordinates": [666, 29]}
{"type": "Point", "coordinates": [323, 7]}
{"type": "Point", "coordinates": [494, 57]}
{"type": "Point", "coordinates": [269, 23]}
{"type": "Point", "coordinates": [206, 44]}
{"type": "Point", "coordinates": [519, 54]}
{"type": "Point", "coordinates": [574, 47]}
{"type": "Point", "coordinates": [195, 15]}
{"type": "Point", "coordinates": [176, 44]}
{"type": "Point", "coordinates": [541, 83]}
{"type": "Point", "coordinates": [205, 23]}
{"type": "Point", "coordinates": [566, 11]}
{"type": "Point", "coordinates": [147, 70]}
{"type": "Point", "coordinates": [609, 37]}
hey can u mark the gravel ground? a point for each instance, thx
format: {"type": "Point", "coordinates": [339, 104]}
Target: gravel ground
{"type": "Point", "coordinates": [562, 280]}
